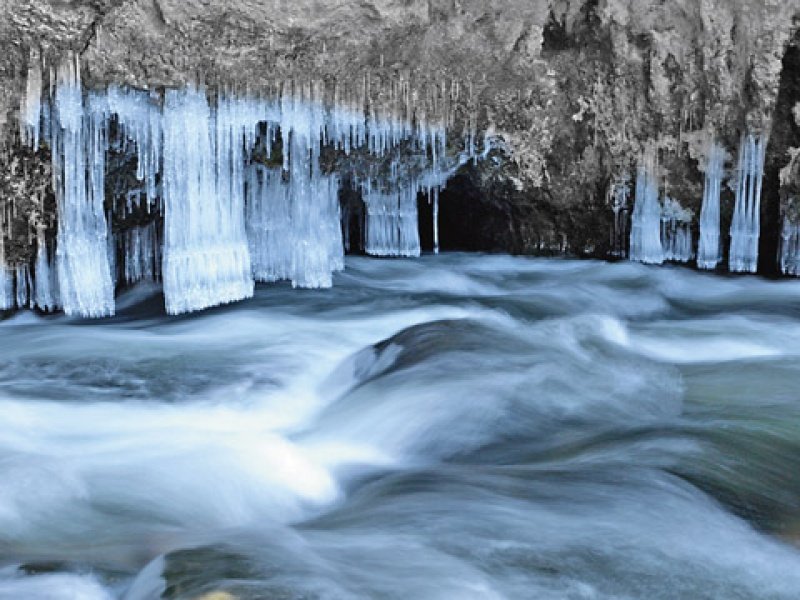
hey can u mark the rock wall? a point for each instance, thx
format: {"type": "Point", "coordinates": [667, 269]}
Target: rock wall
{"type": "Point", "coordinates": [571, 91]}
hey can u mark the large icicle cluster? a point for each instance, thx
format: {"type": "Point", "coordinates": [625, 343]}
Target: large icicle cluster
{"type": "Point", "coordinates": [708, 250]}
{"type": "Point", "coordinates": [746, 224]}
{"type": "Point", "coordinates": [646, 219]}
{"type": "Point", "coordinates": [230, 216]}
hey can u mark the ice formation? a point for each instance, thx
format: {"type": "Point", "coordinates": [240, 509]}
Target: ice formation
{"type": "Point", "coordinates": [206, 259]}
{"type": "Point", "coordinates": [746, 224]}
{"type": "Point", "coordinates": [392, 228]}
{"type": "Point", "coordinates": [6, 282]}
{"type": "Point", "coordinates": [646, 219]}
{"type": "Point", "coordinates": [708, 250]}
{"type": "Point", "coordinates": [78, 146]}
{"type": "Point", "coordinates": [619, 194]}
{"type": "Point", "coordinates": [676, 231]}
{"type": "Point", "coordinates": [790, 246]}
{"type": "Point", "coordinates": [141, 249]}
{"type": "Point", "coordinates": [224, 213]}
{"type": "Point", "coordinates": [30, 109]}
{"type": "Point", "coordinates": [45, 288]}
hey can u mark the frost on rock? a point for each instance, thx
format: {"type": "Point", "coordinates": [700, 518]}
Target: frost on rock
{"type": "Point", "coordinates": [676, 231]}
{"type": "Point", "coordinates": [708, 250]}
{"type": "Point", "coordinates": [78, 145]}
{"type": "Point", "coordinates": [746, 224]}
{"type": "Point", "coordinates": [646, 219]}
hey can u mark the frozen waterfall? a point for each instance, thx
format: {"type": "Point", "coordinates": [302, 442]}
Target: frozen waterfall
{"type": "Point", "coordinates": [746, 224]}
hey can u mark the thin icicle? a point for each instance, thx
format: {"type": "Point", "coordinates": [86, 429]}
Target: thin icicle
{"type": "Point", "coordinates": [708, 252]}
{"type": "Point", "coordinates": [646, 220]}
{"type": "Point", "coordinates": [746, 224]}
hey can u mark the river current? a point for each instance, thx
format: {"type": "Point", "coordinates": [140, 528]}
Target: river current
{"type": "Point", "coordinates": [454, 427]}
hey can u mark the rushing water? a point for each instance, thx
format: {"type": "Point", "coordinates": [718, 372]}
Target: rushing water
{"type": "Point", "coordinates": [454, 427]}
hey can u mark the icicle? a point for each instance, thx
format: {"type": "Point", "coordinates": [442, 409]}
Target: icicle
{"type": "Point", "coordinates": [676, 232]}
{"type": "Point", "coordinates": [206, 259]}
{"type": "Point", "coordinates": [79, 145]}
{"type": "Point", "coordinates": [30, 111]}
{"type": "Point", "coordinates": [6, 281]}
{"type": "Point", "coordinates": [22, 280]}
{"type": "Point", "coordinates": [436, 220]}
{"type": "Point", "coordinates": [746, 224]}
{"type": "Point", "coordinates": [392, 227]}
{"type": "Point", "coordinates": [45, 295]}
{"type": "Point", "coordinates": [790, 246]}
{"type": "Point", "coordinates": [619, 198]}
{"type": "Point", "coordinates": [708, 252]}
{"type": "Point", "coordinates": [646, 220]}
{"type": "Point", "coordinates": [141, 250]}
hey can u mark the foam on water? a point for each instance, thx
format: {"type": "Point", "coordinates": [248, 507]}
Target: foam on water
{"type": "Point", "coordinates": [517, 435]}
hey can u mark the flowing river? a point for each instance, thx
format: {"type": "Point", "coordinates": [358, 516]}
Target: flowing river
{"type": "Point", "coordinates": [454, 427]}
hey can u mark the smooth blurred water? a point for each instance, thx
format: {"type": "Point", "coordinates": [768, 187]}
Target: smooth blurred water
{"type": "Point", "coordinates": [453, 427]}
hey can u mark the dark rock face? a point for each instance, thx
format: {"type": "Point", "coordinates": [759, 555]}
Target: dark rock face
{"type": "Point", "coordinates": [571, 91]}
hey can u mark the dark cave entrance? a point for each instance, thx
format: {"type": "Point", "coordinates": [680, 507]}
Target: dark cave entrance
{"type": "Point", "coordinates": [785, 134]}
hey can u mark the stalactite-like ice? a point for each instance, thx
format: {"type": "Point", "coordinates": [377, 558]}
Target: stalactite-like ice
{"type": "Point", "coordinates": [206, 259]}
{"type": "Point", "coordinates": [141, 253]}
{"type": "Point", "coordinates": [269, 224]}
{"type": "Point", "coordinates": [230, 216]}
{"type": "Point", "coordinates": [30, 111]}
{"type": "Point", "coordinates": [79, 144]}
{"type": "Point", "coordinates": [7, 298]}
{"type": "Point", "coordinates": [45, 288]}
{"type": "Point", "coordinates": [646, 220]}
{"type": "Point", "coordinates": [790, 247]}
{"type": "Point", "coordinates": [22, 285]}
{"type": "Point", "coordinates": [392, 224]}
{"type": "Point", "coordinates": [619, 196]}
{"type": "Point", "coordinates": [708, 251]}
{"type": "Point", "coordinates": [676, 231]}
{"type": "Point", "coordinates": [746, 224]}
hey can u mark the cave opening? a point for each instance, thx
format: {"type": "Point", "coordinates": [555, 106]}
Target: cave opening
{"type": "Point", "coordinates": [784, 135]}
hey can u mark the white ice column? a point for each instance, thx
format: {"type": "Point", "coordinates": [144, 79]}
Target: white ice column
{"type": "Point", "coordinates": [79, 144]}
{"type": "Point", "coordinates": [746, 224]}
{"type": "Point", "coordinates": [708, 250]}
{"type": "Point", "coordinates": [206, 260]}
{"type": "Point", "coordinates": [646, 219]}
